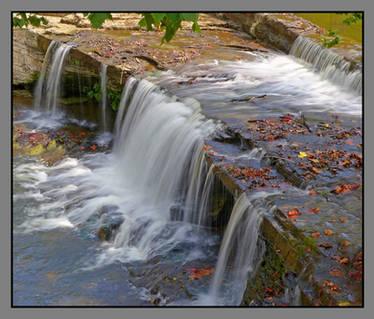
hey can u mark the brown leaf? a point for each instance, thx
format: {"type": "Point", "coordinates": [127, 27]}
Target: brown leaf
{"type": "Point", "coordinates": [343, 219]}
{"type": "Point", "coordinates": [328, 232]}
{"type": "Point", "coordinates": [315, 235]}
{"type": "Point", "coordinates": [316, 170]}
{"type": "Point", "coordinates": [326, 245]}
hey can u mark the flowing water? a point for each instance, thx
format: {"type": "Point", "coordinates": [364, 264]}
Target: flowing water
{"type": "Point", "coordinates": [156, 165]}
{"type": "Point", "coordinates": [103, 76]}
{"type": "Point", "coordinates": [330, 65]}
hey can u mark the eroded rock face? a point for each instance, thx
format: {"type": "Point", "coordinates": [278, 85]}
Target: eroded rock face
{"type": "Point", "coordinates": [28, 56]}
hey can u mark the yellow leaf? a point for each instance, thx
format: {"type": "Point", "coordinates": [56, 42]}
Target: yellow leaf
{"type": "Point", "coordinates": [302, 155]}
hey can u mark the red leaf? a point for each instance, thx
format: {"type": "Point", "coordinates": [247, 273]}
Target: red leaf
{"type": "Point", "coordinates": [83, 133]}
{"type": "Point", "coordinates": [93, 147]}
{"type": "Point", "coordinates": [314, 210]}
{"type": "Point", "coordinates": [293, 213]}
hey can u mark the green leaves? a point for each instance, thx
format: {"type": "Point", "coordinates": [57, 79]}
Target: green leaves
{"type": "Point", "coordinates": [170, 22]}
{"type": "Point", "coordinates": [23, 20]}
{"type": "Point", "coordinates": [97, 19]}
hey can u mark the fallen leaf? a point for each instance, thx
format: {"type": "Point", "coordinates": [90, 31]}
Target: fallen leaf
{"type": "Point", "coordinates": [345, 243]}
{"type": "Point", "coordinates": [328, 232]}
{"type": "Point", "coordinates": [93, 147]}
{"type": "Point", "coordinates": [83, 133]}
{"type": "Point", "coordinates": [243, 181]}
{"type": "Point", "coordinates": [51, 276]}
{"type": "Point", "coordinates": [293, 213]}
{"type": "Point", "coordinates": [316, 170]}
{"type": "Point", "coordinates": [314, 210]}
{"type": "Point", "coordinates": [336, 272]}
{"type": "Point", "coordinates": [302, 155]}
{"type": "Point", "coordinates": [315, 235]}
{"type": "Point", "coordinates": [350, 142]}
{"type": "Point", "coordinates": [312, 192]}
{"type": "Point", "coordinates": [344, 260]}
{"type": "Point", "coordinates": [343, 219]}
{"type": "Point", "coordinates": [207, 147]}
{"type": "Point", "coordinates": [198, 273]}
{"type": "Point", "coordinates": [326, 245]}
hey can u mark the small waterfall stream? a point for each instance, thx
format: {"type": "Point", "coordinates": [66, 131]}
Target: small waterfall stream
{"type": "Point", "coordinates": [103, 76]}
{"type": "Point", "coordinates": [236, 256]}
{"type": "Point", "coordinates": [330, 65]}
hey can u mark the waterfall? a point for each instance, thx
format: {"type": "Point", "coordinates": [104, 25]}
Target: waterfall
{"type": "Point", "coordinates": [237, 251]}
{"type": "Point", "coordinates": [158, 145]}
{"type": "Point", "coordinates": [39, 88]}
{"type": "Point", "coordinates": [103, 75]}
{"type": "Point", "coordinates": [48, 92]}
{"type": "Point", "coordinates": [330, 65]}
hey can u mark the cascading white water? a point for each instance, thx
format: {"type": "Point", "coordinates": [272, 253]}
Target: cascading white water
{"type": "Point", "coordinates": [47, 93]}
{"type": "Point", "coordinates": [237, 251]}
{"type": "Point", "coordinates": [330, 65]}
{"type": "Point", "coordinates": [103, 75]}
{"type": "Point", "coordinates": [159, 141]}
{"type": "Point", "coordinates": [39, 88]}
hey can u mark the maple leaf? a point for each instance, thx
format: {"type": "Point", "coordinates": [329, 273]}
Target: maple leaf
{"type": "Point", "coordinates": [316, 170]}
{"type": "Point", "coordinates": [302, 155]}
{"type": "Point", "coordinates": [345, 243]}
{"type": "Point", "coordinates": [326, 245]}
{"type": "Point", "coordinates": [344, 260]}
{"type": "Point", "coordinates": [336, 272]}
{"type": "Point", "coordinates": [293, 213]}
{"type": "Point", "coordinates": [314, 210]}
{"type": "Point", "coordinates": [328, 232]}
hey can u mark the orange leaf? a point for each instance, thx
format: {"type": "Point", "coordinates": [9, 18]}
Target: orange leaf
{"type": "Point", "coordinates": [316, 170]}
{"type": "Point", "coordinates": [207, 147]}
{"type": "Point", "coordinates": [343, 219]}
{"type": "Point", "coordinates": [315, 235]}
{"type": "Point", "coordinates": [344, 260]}
{"type": "Point", "coordinates": [336, 272]}
{"type": "Point", "coordinates": [345, 243]}
{"type": "Point", "coordinates": [328, 232]}
{"type": "Point", "coordinates": [312, 192]}
{"type": "Point", "coordinates": [314, 210]}
{"type": "Point", "coordinates": [32, 138]}
{"type": "Point", "coordinates": [350, 142]}
{"type": "Point", "coordinates": [293, 213]}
